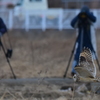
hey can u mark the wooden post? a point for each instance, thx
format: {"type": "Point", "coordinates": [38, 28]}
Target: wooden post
{"type": "Point", "coordinates": [10, 23]}
{"type": "Point", "coordinates": [44, 20]}
{"type": "Point", "coordinates": [27, 20]}
{"type": "Point", "coordinates": [60, 19]}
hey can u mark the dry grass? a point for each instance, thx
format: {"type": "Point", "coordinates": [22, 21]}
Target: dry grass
{"type": "Point", "coordinates": [40, 54]}
{"type": "Point", "coordinates": [45, 91]}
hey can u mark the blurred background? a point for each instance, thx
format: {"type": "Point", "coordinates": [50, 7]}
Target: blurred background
{"type": "Point", "coordinates": [41, 36]}
{"type": "Point", "coordinates": [43, 14]}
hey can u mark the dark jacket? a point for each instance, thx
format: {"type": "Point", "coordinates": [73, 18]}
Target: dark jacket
{"type": "Point", "coordinates": [84, 32]}
{"type": "Point", "coordinates": [3, 28]}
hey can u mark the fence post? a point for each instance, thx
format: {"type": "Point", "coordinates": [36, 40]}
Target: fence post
{"type": "Point", "coordinates": [77, 11]}
{"type": "Point", "coordinates": [26, 20]}
{"type": "Point", "coordinates": [43, 20]}
{"type": "Point", "coordinates": [96, 14]}
{"type": "Point", "coordinates": [10, 23]}
{"type": "Point", "coordinates": [60, 20]}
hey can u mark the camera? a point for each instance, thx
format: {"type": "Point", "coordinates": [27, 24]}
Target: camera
{"type": "Point", "coordinates": [82, 15]}
{"type": "Point", "coordinates": [83, 19]}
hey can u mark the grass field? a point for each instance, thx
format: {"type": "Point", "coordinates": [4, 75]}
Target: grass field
{"type": "Point", "coordinates": [39, 54]}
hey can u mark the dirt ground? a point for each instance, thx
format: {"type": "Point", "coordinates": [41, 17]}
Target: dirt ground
{"type": "Point", "coordinates": [38, 54]}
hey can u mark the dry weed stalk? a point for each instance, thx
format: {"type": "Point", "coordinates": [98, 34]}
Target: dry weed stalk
{"type": "Point", "coordinates": [73, 91]}
{"type": "Point", "coordinates": [2, 98]}
{"type": "Point", "coordinates": [11, 94]}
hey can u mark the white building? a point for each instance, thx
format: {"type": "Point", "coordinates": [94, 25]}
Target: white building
{"type": "Point", "coordinates": [32, 4]}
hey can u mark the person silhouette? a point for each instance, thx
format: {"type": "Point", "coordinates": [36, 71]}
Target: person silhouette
{"type": "Point", "coordinates": [83, 22]}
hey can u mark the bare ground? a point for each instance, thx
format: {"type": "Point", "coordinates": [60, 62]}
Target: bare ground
{"type": "Point", "coordinates": [39, 54]}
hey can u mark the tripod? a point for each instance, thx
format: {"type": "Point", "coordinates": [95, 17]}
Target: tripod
{"type": "Point", "coordinates": [65, 74]}
{"type": "Point", "coordinates": [7, 59]}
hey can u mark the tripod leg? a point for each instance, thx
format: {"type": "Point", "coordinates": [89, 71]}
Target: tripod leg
{"type": "Point", "coordinates": [11, 69]}
{"type": "Point", "coordinates": [98, 63]}
{"type": "Point", "coordinates": [68, 65]}
{"type": "Point", "coordinates": [70, 58]}
{"type": "Point", "coordinates": [7, 60]}
{"type": "Point", "coordinates": [94, 54]}
{"type": "Point", "coordinates": [96, 59]}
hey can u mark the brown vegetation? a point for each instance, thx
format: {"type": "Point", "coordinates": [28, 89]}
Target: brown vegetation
{"type": "Point", "coordinates": [39, 54]}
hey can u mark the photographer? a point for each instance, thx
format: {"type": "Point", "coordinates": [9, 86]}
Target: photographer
{"type": "Point", "coordinates": [83, 22]}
